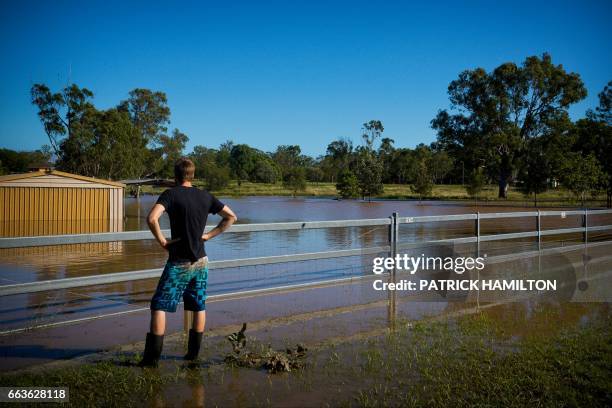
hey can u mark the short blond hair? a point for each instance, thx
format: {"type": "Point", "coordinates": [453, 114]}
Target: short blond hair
{"type": "Point", "coordinates": [184, 170]}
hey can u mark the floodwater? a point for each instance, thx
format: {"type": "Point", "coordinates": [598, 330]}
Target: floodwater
{"type": "Point", "coordinates": [335, 374]}
{"type": "Point", "coordinates": [56, 262]}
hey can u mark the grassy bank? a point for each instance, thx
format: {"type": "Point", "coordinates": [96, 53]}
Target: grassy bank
{"type": "Point", "coordinates": [464, 362]}
{"type": "Point", "coordinates": [473, 363]}
{"type": "Point", "coordinates": [394, 191]}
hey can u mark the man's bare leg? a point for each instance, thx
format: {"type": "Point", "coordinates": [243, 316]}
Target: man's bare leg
{"type": "Point", "coordinates": [199, 321]}
{"type": "Point", "coordinates": [158, 322]}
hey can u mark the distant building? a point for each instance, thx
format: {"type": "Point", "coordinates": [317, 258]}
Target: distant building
{"type": "Point", "coordinates": [41, 167]}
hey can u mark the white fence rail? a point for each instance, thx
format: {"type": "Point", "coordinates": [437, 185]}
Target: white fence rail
{"type": "Point", "coordinates": [392, 222]}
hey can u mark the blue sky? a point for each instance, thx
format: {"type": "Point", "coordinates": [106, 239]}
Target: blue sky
{"type": "Point", "coordinates": [286, 72]}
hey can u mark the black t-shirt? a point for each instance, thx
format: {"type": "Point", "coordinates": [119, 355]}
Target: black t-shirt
{"type": "Point", "coordinates": [188, 209]}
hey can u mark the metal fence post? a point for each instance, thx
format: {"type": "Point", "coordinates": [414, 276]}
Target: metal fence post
{"type": "Point", "coordinates": [395, 233]}
{"type": "Point", "coordinates": [391, 235]}
{"type": "Point", "coordinates": [585, 226]}
{"type": "Point", "coordinates": [539, 228]}
{"type": "Point", "coordinates": [477, 227]}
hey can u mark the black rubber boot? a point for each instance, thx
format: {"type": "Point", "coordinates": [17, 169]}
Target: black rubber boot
{"type": "Point", "coordinates": [193, 346]}
{"type": "Point", "coordinates": [152, 351]}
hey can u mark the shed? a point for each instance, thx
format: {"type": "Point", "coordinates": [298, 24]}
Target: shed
{"type": "Point", "coordinates": [53, 202]}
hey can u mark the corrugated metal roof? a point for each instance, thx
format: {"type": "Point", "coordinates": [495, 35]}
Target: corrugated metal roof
{"type": "Point", "coordinates": [12, 177]}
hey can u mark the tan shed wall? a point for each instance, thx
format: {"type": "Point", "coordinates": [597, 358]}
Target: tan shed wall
{"type": "Point", "coordinates": [59, 205]}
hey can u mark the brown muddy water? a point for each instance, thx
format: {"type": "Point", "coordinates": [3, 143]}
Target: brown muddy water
{"type": "Point", "coordinates": [55, 262]}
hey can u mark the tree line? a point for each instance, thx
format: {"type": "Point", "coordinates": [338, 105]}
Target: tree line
{"type": "Point", "coordinates": [509, 126]}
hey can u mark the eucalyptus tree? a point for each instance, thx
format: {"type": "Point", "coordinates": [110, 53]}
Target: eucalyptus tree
{"type": "Point", "coordinates": [594, 136]}
{"type": "Point", "coordinates": [536, 170]}
{"type": "Point", "coordinates": [170, 149]}
{"type": "Point", "coordinates": [339, 156]}
{"type": "Point", "coordinates": [423, 184]}
{"type": "Point", "coordinates": [386, 151]}
{"type": "Point", "coordinates": [295, 179]}
{"type": "Point", "coordinates": [348, 185]}
{"type": "Point", "coordinates": [370, 132]}
{"type": "Point", "coordinates": [495, 113]}
{"type": "Point", "coordinates": [603, 112]}
{"type": "Point", "coordinates": [368, 166]}
{"type": "Point", "coordinates": [149, 113]}
{"type": "Point", "coordinates": [583, 175]}
{"type": "Point", "coordinates": [60, 112]}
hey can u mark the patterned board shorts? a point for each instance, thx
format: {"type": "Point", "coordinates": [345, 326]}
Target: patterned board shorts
{"type": "Point", "coordinates": [184, 279]}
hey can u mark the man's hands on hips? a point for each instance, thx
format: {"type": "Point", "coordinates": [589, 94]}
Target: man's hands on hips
{"type": "Point", "coordinates": [164, 243]}
{"type": "Point", "coordinates": [153, 222]}
{"type": "Point", "coordinates": [228, 218]}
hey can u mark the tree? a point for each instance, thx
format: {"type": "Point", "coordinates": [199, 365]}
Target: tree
{"type": "Point", "coordinates": [103, 144]}
{"type": "Point", "coordinates": [216, 177]}
{"type": "Point", "coordinates": [287, 157]}
{"type": "Point", "coordinates": [440, 164]}
{"type": "Point", "coordinates": [225, 151]}
{"type": "Point", "coordinates": [242, 162]}
{"type": "Point", "coordinates": [295, 180]}
{"type": "Point", "coordinates": [265, 170]}
{"type": "Point", "coordinates": [582, 175]}
{"type": "Point", "coordinates": [118, 151]}
{"type": "Point", "coordinates": [386, 151]}
{"type": "Point", "coordinates": [314, 173]}
{"type": "Point", "coordinates": [500, 110]}
{"type": "Point", "coordinates": [369, 173]}
{"type": "Point", "coordinates": [149, 113]}
{"type": "Point", "coordinates": [208, 169]}
{"type": "Point", "coordinates": [535, 171]}
{"type": "Point", "coordinates": [111, 143]}
{"type": "Point", "coordinates": [251, 164]}
{"type": "Point", "coordinates": [402, 166]}
{"type": "Point", "coordinates": [61, 111]}
{"type": "Point", "coordinates": [202, 157]}
{"type": "Point", "coordinates": [171, 150]}
{"type": "Point", "coordinates": [422, 184]}
{"type": "Point", "coordinates": [476, 183]}
{"type": "Point", "coordinates": [603, 113]}
{"type": "Point", "coordinates": [76, 153]}
{"type": "Point", "coordinates": [338, 157]}
{"type": "Point", "coordinates": [371, 131]}
{"type": "Point", "coordinates": [594, 136]}
{"type": "Point", "coordinates": [12, 161]}
{"type": "Point", "coordinates": [347, 185]}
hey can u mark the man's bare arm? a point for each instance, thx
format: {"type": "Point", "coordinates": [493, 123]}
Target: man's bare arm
{"type": "Point", "coordinates": [228, 218]}
{"type": "Point", "coordinates": [153, 221]}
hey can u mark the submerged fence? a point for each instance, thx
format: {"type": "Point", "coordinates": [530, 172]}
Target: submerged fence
{"type": "Point", "coordinates": [392, 247]}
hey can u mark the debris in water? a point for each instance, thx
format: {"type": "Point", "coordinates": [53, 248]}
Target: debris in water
{"type": "Point", "coordinates": [271, 360]}
{"type": "Point", "coordinates": [238, 339]}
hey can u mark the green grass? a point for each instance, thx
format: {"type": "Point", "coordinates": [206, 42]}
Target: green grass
{"type": "Point", "coordinates": [100, 384]}
{"type": "Point", "coordinates": [393, 191]}
{"type": "Point", "coordinates": [467, 363]}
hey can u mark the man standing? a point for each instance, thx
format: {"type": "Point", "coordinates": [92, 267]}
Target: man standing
{"type": "Point", "coordinates": [186, 271]}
